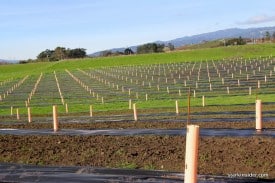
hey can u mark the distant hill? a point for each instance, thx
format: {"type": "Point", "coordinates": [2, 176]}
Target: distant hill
{"type": "Point", "coordinates": [3, 61]}
{"type": "Point", "coordinates": [253, 33]}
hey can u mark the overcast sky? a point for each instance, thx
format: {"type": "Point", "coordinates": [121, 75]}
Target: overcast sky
{"type": "Point", "coordinates": [28, 27]}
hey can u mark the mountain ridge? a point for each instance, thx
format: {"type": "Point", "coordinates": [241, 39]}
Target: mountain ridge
{"type": "Point", "coordinates": [252, 33]}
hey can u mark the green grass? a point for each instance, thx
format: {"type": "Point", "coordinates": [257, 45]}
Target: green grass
{"type": "Point", "coordinates": [18, 71]}
{"type": "Point", "coordinates": [246, 51]}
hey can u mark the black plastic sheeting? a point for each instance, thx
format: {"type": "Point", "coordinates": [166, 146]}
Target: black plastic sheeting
{"type": "Point", "coordinates": [50, 174]}
{"type": "Point", "coordinates": [163, 117]}
{"type": "Point", "coordinates": [129, 132]}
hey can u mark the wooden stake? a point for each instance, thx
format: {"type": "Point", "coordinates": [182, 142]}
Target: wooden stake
{"type": "Point", "coordinates": [17, 114]}
{"type": "Point", "coordinates": [55, 119]}
{"type": "Point", "coordinates": [135, 112]}
{"type": "Point", "coordinates": [67, 109]}
{"type": "Point", "coordinates": [191, 154]}
{"type": "Point", "coordinates": [188, 109]}
{"type": "Point", "coordinates": [11, 110]}
{"type": "Point", "coordinates": [29, 115]}
{"type": "Point", "coordinates": [259, 123]}
{"type": "Point", "coordinates": [203, 101]}
{"type": "Point", "coordinates": [130, 104]}
{"type": "Point", "coordinates": [91, 111]}
{"type": "Point", "coordinates": [177, 107]}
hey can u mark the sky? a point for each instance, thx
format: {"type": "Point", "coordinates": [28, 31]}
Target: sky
{"type": "Point", "coordinates": [28, 27]}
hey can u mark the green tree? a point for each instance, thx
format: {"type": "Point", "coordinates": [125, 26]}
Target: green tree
{"type": "Point", "coordinates": [47, 55]}
{"type": "Point", "coordinates": [273, 36]}
{"type": "Point", "coordinates": [128, 51]}
{"type": "Point", "coordinates": [60, 53]}
{"type": "Point", "coordinates": [267, 36]}
{"type": "Point", "coordinates": [150, 48]}
{"type": "Point", "coordinates": [235, 41]}
{"type": "Point", "coordinates": [76, 53]}
{"type": "Point", "coordinates": [171, 46]}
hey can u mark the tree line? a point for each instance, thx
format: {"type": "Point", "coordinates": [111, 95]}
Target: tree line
{"type": "Point", "coordinates": [59, 53]}
{"type": "Point", "coordinates": [142, 49]}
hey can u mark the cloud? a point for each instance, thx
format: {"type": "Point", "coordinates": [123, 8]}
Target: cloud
{"type": "Point", "coordinates": [257, 20]}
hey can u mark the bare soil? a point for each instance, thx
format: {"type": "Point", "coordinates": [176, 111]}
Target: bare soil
{"type": "Point", "coordinates": [217, 155]}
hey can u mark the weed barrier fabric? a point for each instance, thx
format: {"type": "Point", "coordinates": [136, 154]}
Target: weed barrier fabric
{"type": "Point", "coordinates": [129, 132]}
{"type": "Point", "coordinates": [48, 174]}
{"type": "Point", "coordinates": [236, 116]}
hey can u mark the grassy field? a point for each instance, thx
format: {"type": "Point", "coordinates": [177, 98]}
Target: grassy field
{"type": "Point", "coordinates": [79, 99]}
{"type": "Point", "coordinates": [246, 51]}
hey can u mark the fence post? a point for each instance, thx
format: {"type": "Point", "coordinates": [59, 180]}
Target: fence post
{"type": "Point", "coordinates": [55, 119]}
{"type": "Point", "coordinates": [203, 101]}
{"type": "Point", "coordinates": [191, 153]}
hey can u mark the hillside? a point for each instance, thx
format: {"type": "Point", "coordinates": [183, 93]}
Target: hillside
{"type": "Point", "coordinates": [245, 51]}
{"type": "Point", "coordinates": [252, 33]}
